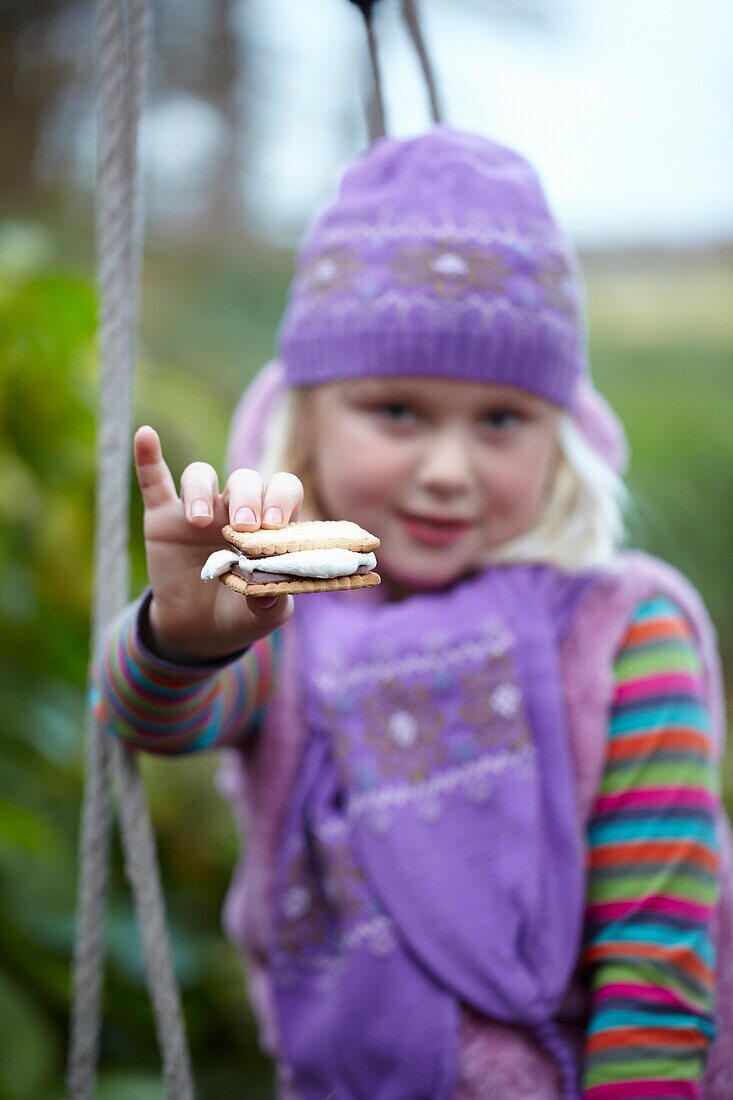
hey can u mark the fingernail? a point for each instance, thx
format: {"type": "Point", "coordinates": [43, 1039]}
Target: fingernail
{"type": "Point", "coordinates": [244, 515]}
{"type": "Point", "coordinates": [200, 508]}
{"type": "Point", "coordinates": [273, 516]}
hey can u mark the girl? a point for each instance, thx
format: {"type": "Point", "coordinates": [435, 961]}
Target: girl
{"type": "Point", "coordinates": [480, 801]}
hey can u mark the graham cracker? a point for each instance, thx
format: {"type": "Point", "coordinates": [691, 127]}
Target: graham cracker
{"type": "Point", "coordinates": [309, 535]}
{"type": "Point", "coordinates": [300, 586]}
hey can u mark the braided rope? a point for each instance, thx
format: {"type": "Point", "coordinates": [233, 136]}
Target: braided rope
{"type": "Point", "coordinates": [96, 813]}
{"type": "Point", "coordinates": [376, 117]}
{"type": "Point", "coordinates": [412, 22]}
{"type": "Point", "coordinates": [142, 872]}
{"type": "Point", "coordinates": [375, 113]}
{"type": "Point", "coordinates": [123, 48]}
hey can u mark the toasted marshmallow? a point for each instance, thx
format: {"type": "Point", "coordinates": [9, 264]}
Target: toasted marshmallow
{"type": "Point", "coordinates": [323, 564]}
{"type": "Point", "coordinates": [221, 561]}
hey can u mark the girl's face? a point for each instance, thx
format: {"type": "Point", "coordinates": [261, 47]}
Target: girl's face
{"type": "Point", "coordinates": [440, 471]}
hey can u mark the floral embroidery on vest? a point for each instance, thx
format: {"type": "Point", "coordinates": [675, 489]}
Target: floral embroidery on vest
{"type": "Point", "coordinates": [415, 742]}
{"type": "Point", "coordinates": [325, 917]}
{"type": "Point", "coordinates": [416, 745]}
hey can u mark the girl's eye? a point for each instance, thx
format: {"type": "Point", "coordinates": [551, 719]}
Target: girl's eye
{"type": "Point", "coordinates": [398, 414]}
{"type": "Point", "coordinates": [501, 418]}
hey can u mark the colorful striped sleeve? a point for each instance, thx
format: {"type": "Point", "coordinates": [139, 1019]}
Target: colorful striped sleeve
{"type": "Point", "coordinates": [653, 874]}
{"type": "Point", "coordinates": [171, 709]}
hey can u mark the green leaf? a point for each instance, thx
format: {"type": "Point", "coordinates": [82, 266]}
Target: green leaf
{"type": "Point", "coordinates": [31, 1054]}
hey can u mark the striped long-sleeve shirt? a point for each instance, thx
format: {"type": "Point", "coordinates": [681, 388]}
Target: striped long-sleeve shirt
{"type": "Point", "coordinates": [651, 838]}
{"type": "Point", "coordinates": [172, 709]}
{"type": "Point", "coordinates": [653, 871]}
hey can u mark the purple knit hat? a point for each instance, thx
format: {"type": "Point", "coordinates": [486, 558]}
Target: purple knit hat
{"type": "Point", "coordinates": [438, 258]}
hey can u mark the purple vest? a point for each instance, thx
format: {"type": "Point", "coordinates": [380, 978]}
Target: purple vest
{"type": "Point", "coordinates": [430, 853]}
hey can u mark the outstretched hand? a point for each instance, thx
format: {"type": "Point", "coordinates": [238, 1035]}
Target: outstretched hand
{"type": "Point", "coordinates": [191, 620]}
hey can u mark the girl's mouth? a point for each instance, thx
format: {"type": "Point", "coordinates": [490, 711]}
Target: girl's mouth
{"type": "Point", "coordinates": [431, 531]}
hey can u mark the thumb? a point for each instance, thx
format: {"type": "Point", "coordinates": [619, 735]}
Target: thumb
{"type": "Point", "coordinates": [272, 610]}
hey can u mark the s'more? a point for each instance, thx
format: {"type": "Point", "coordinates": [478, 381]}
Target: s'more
{"type": "Point", "coordinates": [314, 556]}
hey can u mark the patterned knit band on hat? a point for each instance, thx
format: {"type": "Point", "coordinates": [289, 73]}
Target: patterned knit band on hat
{"type": "Point", "coordinates": [438, 258]}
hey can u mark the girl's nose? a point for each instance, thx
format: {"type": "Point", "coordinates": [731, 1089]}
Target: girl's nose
{"type": "Point", "coordinates": [446, 467]}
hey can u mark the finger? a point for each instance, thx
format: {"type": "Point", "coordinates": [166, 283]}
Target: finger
{"type": "Point", "coordinates": [282, 500]}
{"type": "Point", "coordinates": [199, 489]}
{"type": "Point", "coordinates": [244, 495]}
{"type": "Point", "coordinates": [154, 478]}
{"type": "Point", "coordinates": [271, 608]}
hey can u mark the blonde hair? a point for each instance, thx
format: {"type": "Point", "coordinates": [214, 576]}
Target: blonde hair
{"type": "Point", "coordinates": [581, 526]}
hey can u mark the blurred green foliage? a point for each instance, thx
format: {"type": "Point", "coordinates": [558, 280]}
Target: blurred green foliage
{"type": "Point", "coordinates": [661, 352]}
{"type": "Point", "coordinates": [47, 440]}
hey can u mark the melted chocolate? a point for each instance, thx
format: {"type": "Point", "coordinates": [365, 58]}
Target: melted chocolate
{"type": "Point", "coordinates": [259, 577]}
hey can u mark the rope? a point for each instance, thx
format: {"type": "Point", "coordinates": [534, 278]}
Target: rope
{"type": "Point", "coordinates": [376, 118]}
{"type": "Point", "coordinates": [110, 556]}
{"type": "Point", "coordinates": [142, 871]}
{"type": "Point", "coordinates": [412, 22]}
{"type": "Point", "coordinates": [123, 49]}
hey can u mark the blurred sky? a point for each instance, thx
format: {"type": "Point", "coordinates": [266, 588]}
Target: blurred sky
{"type": "Point", "coordinates": [625, 106]}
